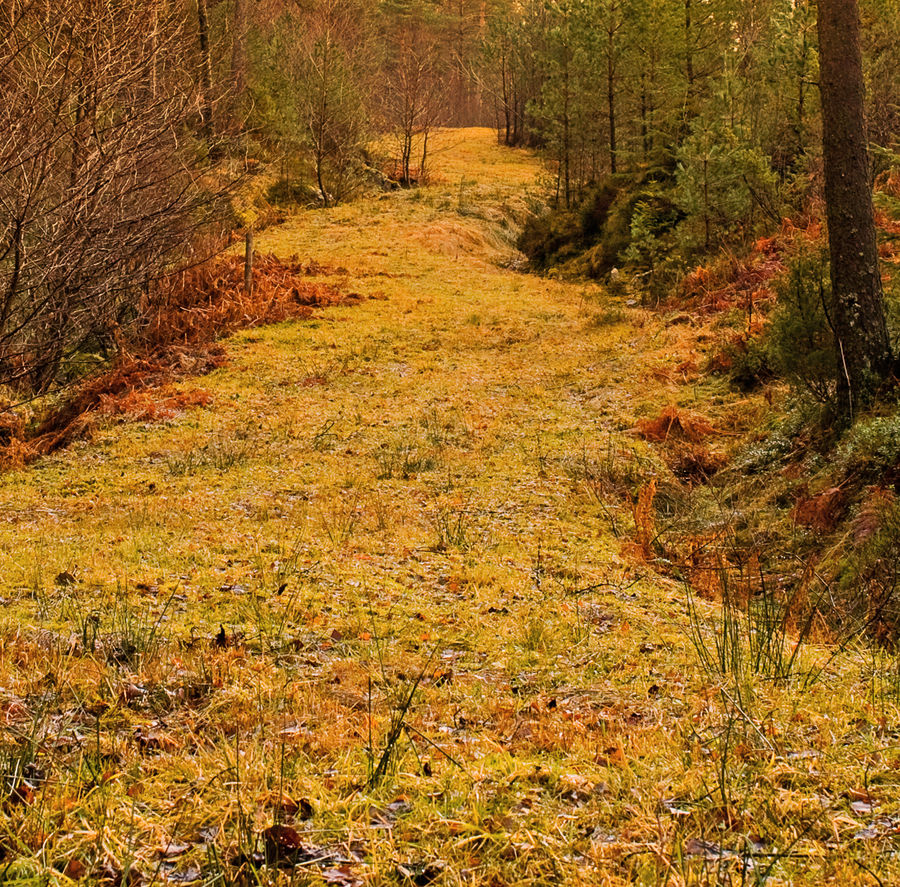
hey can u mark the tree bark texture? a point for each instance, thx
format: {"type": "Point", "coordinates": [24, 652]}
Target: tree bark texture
{"type": "Point", "coordinates": [857, 306]}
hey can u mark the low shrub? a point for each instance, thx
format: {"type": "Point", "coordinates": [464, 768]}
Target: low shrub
{"type": "Point", "coordinates": [597, 235]}
{"type": "Point", "coordinates": [746, 361]}
{"type": "Point", "coordinates": [800, 342]}
{"type": "Point", "coordinates": [871, 449]}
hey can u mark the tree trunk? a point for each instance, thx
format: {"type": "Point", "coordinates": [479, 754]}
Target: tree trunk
{"type": "Point", "coordinates": [239, 56]}
{"type": "Point", "coordinates": [611, 92]}
{"type": "Point", "coordinates": [645, 132]}
{"type": "Point", "coordinates": [505, 98]}
{"type": "Point", "coordinates": [566, 132]}
{"type": "Point", "coordinates": [857, 312]}
{"type": "Point", "coordinates": [205, 67]}
{"type": "Point", "coordinates": [689, 52]}
{"type": "Point", "coordinates": [248, 262]}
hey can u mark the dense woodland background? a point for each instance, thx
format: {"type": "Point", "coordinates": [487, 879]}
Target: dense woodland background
{"type": "Point", "coordinates": [133, 133]}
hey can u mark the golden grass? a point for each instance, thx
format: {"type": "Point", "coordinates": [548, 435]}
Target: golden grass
{"type": "Point", "coordinates": [401, 513]}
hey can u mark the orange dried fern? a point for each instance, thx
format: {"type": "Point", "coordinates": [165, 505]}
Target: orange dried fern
{"type": "Point", "coordinates": [181, 322]}
{"type": "Point", "coordinates": [678, 424]}
{"type": "Point", "coordinates": [644, 518]}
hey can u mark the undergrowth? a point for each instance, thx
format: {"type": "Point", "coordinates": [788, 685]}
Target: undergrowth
{"type": "Point", "coordinates": [179, 326]}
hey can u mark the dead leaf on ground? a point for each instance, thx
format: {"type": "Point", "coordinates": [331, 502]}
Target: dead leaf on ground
{"type": "Point", "coordinates": [173, 875]}
{"type": "Point", "coordinates": [342, 876]}
{"type": "Point", "coordinates": [171, 849]}
{"type": "Point", "coordinates": [21, 796]}
{"type": "Point", "coordinates": [75, 869]}
{"type": "Point", "coordinates": [421, 873]}
{"type": "Point", "coordinates": [300, 808]}
{"type": "Point", "coordinates": [706, 850]}
{"type": "Point", "coordinates": [155, 740]}
{"type": "Point", "coordinates": [112, 875]}
{"type": "Point", "coordinates": [284, 846]}
{"type": "Point", "coordinates": [385, 817]}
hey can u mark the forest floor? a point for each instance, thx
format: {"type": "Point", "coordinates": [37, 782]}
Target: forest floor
{"type": "Point", "coordinates": [382, 613]}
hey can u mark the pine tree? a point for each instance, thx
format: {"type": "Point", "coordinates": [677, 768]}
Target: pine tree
{"type": "Point", "coordinates": [857, 309]}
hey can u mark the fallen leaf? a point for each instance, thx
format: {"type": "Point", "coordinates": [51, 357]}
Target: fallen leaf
{"type": "Point", "coordinates": [171, 849]}
{"type": "Point", "coordinates": [75, 869]}
{"type": "Point", "coordinates": [342, 876]}
{"type": "Point", "coordinates": [288, 806]}
{"type": "Point", "coordinates": [111, 875]}
{"type": "Point", "coordinates": [190, 875]}
{"type": "Point", "coordinates": [385, 817]}
{"type": "Point", "coordinates": [421, 873]}
{"type": "Point", "coordinates": [130, 692]}
{"type": "Point", "coordinates": [862, 808]}
{"type": "Point", "coordinates": [154, 740]}
{"type": "Point", "coordinates": [208, 834]}
{"type": "Point", "coordinates": [706, 850]}
{"type": "Point", "coordinates": [21, 795]}
{"type": "Point", "coordinates": [285, 846]}
{"type": "Point", "coordinates": [614, 756]}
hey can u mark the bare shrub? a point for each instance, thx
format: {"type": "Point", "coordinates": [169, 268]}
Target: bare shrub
{"type": "Point", "coordinates": [99, 177]}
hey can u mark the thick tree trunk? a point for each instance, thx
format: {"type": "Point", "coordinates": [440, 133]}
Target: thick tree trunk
{"type": "Point", "coordinates": [863, 347]}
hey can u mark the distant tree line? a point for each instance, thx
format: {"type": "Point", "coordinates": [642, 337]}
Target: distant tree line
{"type": "Point", "coordinates": [670, 128]}
{"type": "Point", "coordinates": [128, 124]}
{"type": "Point", "coordinates": [730, 86]}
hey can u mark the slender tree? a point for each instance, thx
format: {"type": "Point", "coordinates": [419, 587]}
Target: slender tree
{"type": "Point", "coordinates": [239, 57]}
{"type": "Point", "coordinates": [205, 66]}
{"type": "Point", "coordinates": [613, 25]}
{"type": "Point", "coordinates": [857, 311]}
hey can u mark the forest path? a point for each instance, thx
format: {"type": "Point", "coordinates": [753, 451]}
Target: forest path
{"type": "Point", "coordinates": [461, 389]}
{"type": "Point", "coordinates": [419, 487]}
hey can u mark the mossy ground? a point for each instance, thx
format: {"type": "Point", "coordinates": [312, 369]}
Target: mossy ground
{"type": "Point", "coordinates": [404, 512]}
